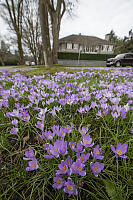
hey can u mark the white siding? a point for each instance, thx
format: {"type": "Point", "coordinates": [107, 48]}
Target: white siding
{"type": "Point", "coordinates": [69, 45]}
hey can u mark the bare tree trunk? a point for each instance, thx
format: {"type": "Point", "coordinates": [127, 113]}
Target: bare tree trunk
{"type": "Point", "coordinates": [20, 49]}
{"type": "Point", "coordinates": [56, 11]}
{"type": "Point", "coordinates": [12, 13]}
{"type": "Point", "coordinates": [55, 34]}
{"type": "Point", "coordinates": [47, 53]}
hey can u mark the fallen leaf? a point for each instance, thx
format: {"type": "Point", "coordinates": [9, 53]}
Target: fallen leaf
{"type": "Point", "coordinates": [25, 139]}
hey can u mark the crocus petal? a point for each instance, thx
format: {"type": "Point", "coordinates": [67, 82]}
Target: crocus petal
{"type": "Point", "coordinates": [113, 148]}
{"type": "Point", "coordinates": [123, 156]}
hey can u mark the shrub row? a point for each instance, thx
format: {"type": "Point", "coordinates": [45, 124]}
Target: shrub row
{"type": "Point", "coordinates": [68, 56]}
{"type": "Point", "coordinates": [74, 56]}
{"type": "Point", "coordinates": [10, 61]}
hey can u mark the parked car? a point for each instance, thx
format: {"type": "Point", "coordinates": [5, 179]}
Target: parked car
{"type": "Point", "coordinates": [29, 63]}
{"type": "Point", "coordinates": [125, 59]}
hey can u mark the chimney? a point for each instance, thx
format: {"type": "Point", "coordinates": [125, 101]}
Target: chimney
{"type": "Point", "coordinates": [107, 37]}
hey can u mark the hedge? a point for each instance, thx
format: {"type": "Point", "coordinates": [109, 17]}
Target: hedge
{"type": "Point", "coordinates": [10, 61]}
{"type": "Point", "coordinates": [83, 56]}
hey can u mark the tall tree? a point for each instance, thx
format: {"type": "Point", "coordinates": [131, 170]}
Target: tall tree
{"type": "Point", "coordinates": [56, 11]}
{"type": "Point", "coordinates": [31, 28]}
{"type": "Point", "coordinates": [45, 31]}
{"type": "Point", "coordinates": [113, 38]}
{"type": "Point", "coordinates": [51, 13]}
{"type": "Point", "coordinates": [13, 13]}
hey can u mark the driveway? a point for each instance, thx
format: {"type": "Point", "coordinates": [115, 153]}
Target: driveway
{"type": "Point", "coordinates": [81, 62]}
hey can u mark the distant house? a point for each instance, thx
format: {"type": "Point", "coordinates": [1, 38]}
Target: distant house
{"type": "Point", "coordinates": [85, 44]}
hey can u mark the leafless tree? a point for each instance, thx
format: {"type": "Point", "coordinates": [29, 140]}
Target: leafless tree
{"type": "Point", "coordinates": [31, 28]}
{"type": "Point", "coordinates": [12, 13]}
{"type": "Point", "coordinates": [51, 13]}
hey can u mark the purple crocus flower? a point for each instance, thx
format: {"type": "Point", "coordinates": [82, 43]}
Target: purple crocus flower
{"type": "Point", "coordinates": [14, 131]}
{"type": "Point", "coordinates": [54, 150]}
{"type": "Point", "coordinates": [81, 110]}
{"type": "Point", "coordinates": [72, 145]}
{"type": "Point", "coordinates": [96, 168]}
{"type": "Point", "coordinates": [26, 117]}
{"type": "Point", "coordinates": [93, 104]}
{"type": "Point", "coordinates": [99, 114]}
{"type": "Point", "coordinates": [84, 157]}
{"type": "Point", "coordinates": [105, 112]}
{"type": "Point", "coordinates": [43, 135]}
{"type": "Point", "coordinates": [62, 132]}
{"type": "Point", "coordinates": [63, 147]}
{"type": "Point", "coordinates": [76, 168]}
{"type": "Point", "coordinates": [32, 165]}
{"type": "Point", "coordinates": [42, 113]}
{"type": "Point", "coordinates": [115, 115]}
{"type": "Point", "coordinates": [87, 141]}
{"type": "Point", "coordinates": [87, 108]}
{"type": "Point", "coordinates": [79, 147]}
{"type": "Point", "coordinates": [47, 147]}
{"type": "Point", "coordinates": [55, 129]}
{"type": "Point", "coordinates": [48, 156]}
{"type": "Point", "coordinates": [80, 184]}
{"type": "Point", "coordinates": [30, 155]}
{"type": "Point", "coordinates": [53, 112]}
{"type": "Point", "coordinates": [63, 101]}
{"type": "Point", "coordinates": [58, 182]}
{"type": "Point", "coordinates": [40, 125]}
{"type": "Point", "coordinates": [63, 168]}
{"type": "Point", "coordinates": [123, 113]}
{"type": "Point", "coordinates": [70, 187]}
{"type": "Point", "coordinates": [97, 153]}
{"type": "Point", "coordinates": [49, 135]}
{"type": "Point", "coordinates": [15, 122]}
{"type": "Point", "coordinates": [121, 149]}
{"type": "Point", "coordinates": [83, 131]}
{"type": "Point", "coordinates": [69, 129]}
{"type": "Point", "coordinates": [69, 161]}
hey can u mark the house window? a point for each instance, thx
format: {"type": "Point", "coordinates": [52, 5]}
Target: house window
{"type": "Point", "coordinates": [75, 46]}
{"type": "Point", "coordinates": [87, 49]}
{"type": "Point", "coordinates": [69, 45]}
{"type": "Point", "coordinates": [104, 47]}
{"type": "Point", "coordinates": [110, 48]}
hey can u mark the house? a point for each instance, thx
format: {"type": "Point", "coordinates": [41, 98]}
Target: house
{"type": "Point", "coordinates": [85, 44]}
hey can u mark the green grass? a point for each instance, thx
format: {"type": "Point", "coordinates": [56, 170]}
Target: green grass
{"type": "Point", "coordinates": [116, 180]}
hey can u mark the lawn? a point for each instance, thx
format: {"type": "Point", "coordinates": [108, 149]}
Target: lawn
{"type": "Point", "coordinates": [66, 134]}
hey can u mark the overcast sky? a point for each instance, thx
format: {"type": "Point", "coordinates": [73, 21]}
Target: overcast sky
{"type": "Point", "coordinates": [97, 18]}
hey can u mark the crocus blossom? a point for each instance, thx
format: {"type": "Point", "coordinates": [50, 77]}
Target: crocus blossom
{"type": "Point", "coordinates": [87, 141]}
{"type": "Point", "coordinates": [83, 130]}
{"type": "Point", "coordinates": [96, 168]}
{"type": "Point", "coordinates": [58, 182]}
{"type": "Point", "coordinates": [70, 187]}
{"type": "Point", "coordinates": [97, 153]}
{"type": "Point", "coordinates": [121, 149]}
{"type": "Point", "coordinates": [32, 165]}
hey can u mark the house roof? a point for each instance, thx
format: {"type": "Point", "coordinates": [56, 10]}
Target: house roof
{"type": "Point", "coordinates": [84, 40]}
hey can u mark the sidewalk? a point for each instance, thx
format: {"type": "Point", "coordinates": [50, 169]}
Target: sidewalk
{"type": "Point", "coordinates": [15, 69]}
